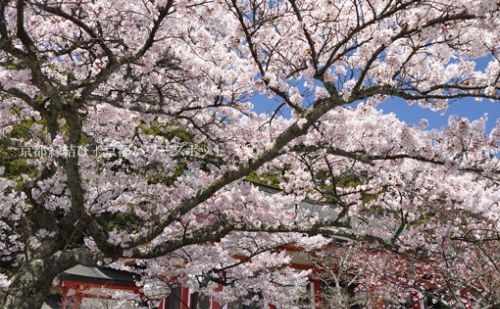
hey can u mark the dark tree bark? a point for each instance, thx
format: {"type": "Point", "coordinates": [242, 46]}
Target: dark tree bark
{"type": "Point", "coordinates": [33, 280]}
{"type": "Point", "coordinates": [30, 285]}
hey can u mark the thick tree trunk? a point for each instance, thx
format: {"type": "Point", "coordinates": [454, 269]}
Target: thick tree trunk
{"type": "Point", "coordinates": [30, 285]}
{"type": "Point", "coordinates": [32, 282]}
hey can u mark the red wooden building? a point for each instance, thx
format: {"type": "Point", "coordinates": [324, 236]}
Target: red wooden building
{"type": "Point", "coordinates": [86, 287]}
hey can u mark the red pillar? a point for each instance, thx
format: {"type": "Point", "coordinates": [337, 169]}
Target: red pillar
{"type": "Point", "coordinates": [215, 304]}
{"type": "Point", "coordinates": [316, 286]}
{"type": "Point", "coordinates": [185, 298]}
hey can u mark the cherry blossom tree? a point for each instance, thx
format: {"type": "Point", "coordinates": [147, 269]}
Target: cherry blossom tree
{"type": "Point", "coordinates": [128, 131]}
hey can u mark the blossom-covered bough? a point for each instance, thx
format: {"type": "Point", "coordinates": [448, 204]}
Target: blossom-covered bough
{"type": "Point", "coordinates": [128, 131]}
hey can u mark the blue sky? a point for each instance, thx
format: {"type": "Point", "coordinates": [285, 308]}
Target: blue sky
{"type": "Point", "coordinates": [468, 108]}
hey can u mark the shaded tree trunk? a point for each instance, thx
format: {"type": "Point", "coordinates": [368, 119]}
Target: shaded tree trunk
{"type": "Point", "coordinates": [30, 285]}
{"type": "Point", "coordinates": [32, 282]}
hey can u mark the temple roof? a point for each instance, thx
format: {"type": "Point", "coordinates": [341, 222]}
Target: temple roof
{"type": "Point", "coordinates": [100, 275]}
